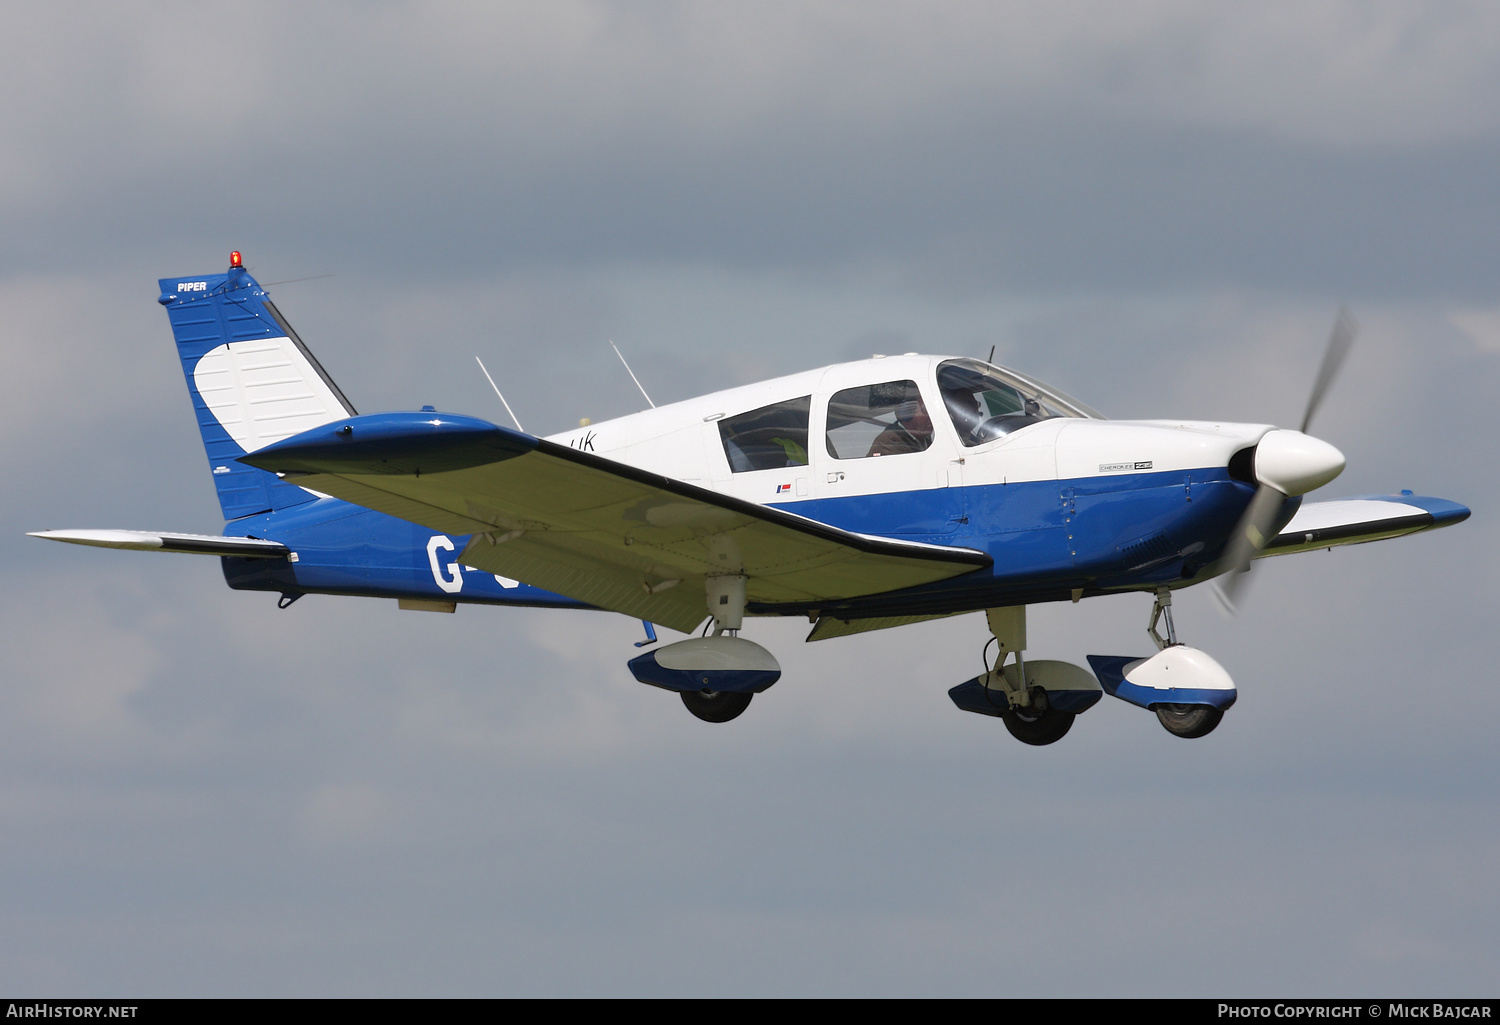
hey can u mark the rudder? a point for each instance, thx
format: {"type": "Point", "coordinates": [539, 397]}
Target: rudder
{"type": "Point", "coordinates": [252, 381]}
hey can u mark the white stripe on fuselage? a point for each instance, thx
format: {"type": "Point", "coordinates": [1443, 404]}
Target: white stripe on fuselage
{"type": "Point", "coordinates": [682, 440]}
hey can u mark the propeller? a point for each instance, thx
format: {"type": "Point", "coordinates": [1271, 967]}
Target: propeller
{"type": "Point", "coordinates": [1286, 463]}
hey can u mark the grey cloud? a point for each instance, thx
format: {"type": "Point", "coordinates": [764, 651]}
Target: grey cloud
{"type": "Point", "coordinates": [585, 135]}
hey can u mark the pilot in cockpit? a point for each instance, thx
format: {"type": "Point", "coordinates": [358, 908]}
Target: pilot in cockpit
{"type": "Point", "coordinates": [911, 431]}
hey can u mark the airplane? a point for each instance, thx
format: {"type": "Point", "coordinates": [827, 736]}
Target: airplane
{"type": "Point", "coordinates": [864, 496]}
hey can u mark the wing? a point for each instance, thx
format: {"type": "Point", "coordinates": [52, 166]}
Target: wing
{"type": "Point", "coordinates": [1353, 521]}
{"type": "Point", "coordinates": [591, 528]}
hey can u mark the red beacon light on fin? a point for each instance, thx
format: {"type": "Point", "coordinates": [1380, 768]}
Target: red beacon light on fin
{"type": "Point", "coordinates": [234, 260]}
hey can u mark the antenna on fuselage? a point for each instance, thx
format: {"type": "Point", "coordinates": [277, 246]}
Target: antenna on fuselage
{"type": "Point", "coordinates": [293, 281]}
{"type": "Point", "coordinates": [991, 360]}
{"type": "Point", "coordinates": [495, 386]}
{"type": "Point", "coordinates": [637, 380]}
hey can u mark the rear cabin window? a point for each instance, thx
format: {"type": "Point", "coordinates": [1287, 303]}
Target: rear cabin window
{"type": "Point", "coordinates": [769, 438]}
{"type": "Point", "coordinates": [878, 420]}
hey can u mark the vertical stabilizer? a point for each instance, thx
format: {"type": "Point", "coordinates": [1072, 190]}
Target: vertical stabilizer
{"type": "Point", "coordinates": [252, 381]}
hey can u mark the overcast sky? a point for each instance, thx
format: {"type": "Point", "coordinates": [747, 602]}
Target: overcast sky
{"type": "Point", "coordinates": [1157, 207]}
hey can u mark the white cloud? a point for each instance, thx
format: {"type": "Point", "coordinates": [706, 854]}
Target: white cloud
{"type": "Point", "coordinates": [1481, 325]}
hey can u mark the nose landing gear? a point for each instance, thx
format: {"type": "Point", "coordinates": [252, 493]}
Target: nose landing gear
{"type": "Point", "coordinates": [1189, 721]}
{"type": "Point", "coordinates": [1187, 689]}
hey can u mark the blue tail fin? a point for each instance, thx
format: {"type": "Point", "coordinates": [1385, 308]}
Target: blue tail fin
{"type": "Point", "coordinates": [252, 380]}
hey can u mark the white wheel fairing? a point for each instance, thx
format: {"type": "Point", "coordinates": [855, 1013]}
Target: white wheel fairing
{"type": "Point", "coordinates": [1176, 668]}
{"type": "Point", "coordinates": [716, 653]}
{"type": "Point", "coordinates": [721, 663]}
{"type": "Point", "coordinates": [1178, 675]}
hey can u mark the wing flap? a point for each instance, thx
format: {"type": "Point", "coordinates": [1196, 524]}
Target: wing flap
{"type": "Point", "coordinates": [831, 626]}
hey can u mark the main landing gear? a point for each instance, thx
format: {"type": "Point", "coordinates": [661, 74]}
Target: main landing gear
{"type": "Point", "coordinates": [1036, 722]}
{"type": "Point", "coordinates": [1037, 700]}
{"type": "Point", "coordinates": [715, 705]}
{"type": "Point", "coordinates": [716, 675]}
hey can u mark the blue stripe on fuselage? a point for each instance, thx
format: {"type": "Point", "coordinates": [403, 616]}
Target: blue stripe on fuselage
{"type": "Point", "coordinates": [346, 549]}
{"type": "Point", "coordinates": [1047, 539]}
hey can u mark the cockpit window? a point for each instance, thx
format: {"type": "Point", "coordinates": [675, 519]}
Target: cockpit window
{"type": "Point", "coordinates": [878, 420]}
{"type": "Point", "coordinates": [769, 438]}
{"type": "Point", "coordinates": [986, 402]}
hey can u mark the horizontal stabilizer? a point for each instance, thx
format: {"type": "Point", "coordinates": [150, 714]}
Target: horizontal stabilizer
{"type": "Point", "coordinates": [151, 541]}
{"type": "Point", "coordinates": [1353, 521]}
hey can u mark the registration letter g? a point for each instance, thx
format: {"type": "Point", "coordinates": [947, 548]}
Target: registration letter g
{"type": "Point", "coordinates": [449, 577]}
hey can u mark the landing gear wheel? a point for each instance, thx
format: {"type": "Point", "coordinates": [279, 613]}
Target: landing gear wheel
{"type": "Point", "coordinates": [1037, 724]}
{"type": "Point", "coordinates": [715, 705]}
{"type": "Point", "coordinates": [1189, 721]}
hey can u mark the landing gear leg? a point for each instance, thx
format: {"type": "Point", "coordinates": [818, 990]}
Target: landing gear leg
{"type": "Point", "coordinates": [726, 603]}
{"type": "Point", "coordinates": [1186, 721]}
{"type": "Point", "coordinates": [1161, 612]}
{"type": "Point", "coordinates": [1026, 712]}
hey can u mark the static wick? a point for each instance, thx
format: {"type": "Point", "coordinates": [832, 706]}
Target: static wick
{"type": "Point", "coordinates": [637, 380]}
{"type": "Point", "coordinates": [495, 386]}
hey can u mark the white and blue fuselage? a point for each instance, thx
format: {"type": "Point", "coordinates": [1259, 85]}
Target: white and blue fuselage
{"type": "Point", "coordinates": [936, 450]}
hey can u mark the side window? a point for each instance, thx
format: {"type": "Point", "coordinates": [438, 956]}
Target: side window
{"type": "Point", "coordinates": [767, 438]}
{"type": "Point", "coordinates": [878, 420]}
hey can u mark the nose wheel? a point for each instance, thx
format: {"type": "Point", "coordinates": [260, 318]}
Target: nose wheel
{"type": "Point", "coordinates": [1189, 721]}
{"type": "Point", "coordinates": [716, 705]}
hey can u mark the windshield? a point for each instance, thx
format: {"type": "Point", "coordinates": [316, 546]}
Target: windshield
{"type": "Point", "coordinates": [986, 402]}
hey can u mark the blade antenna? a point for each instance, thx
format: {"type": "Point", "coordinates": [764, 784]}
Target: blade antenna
{"type": "Point", "coordinates": [495, 386]}
{"type": "Point", "coordinates": [637, 380]}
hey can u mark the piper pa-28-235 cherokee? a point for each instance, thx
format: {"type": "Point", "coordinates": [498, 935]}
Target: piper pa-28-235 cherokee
{"type": "Point", "coordinates": [863, 496]}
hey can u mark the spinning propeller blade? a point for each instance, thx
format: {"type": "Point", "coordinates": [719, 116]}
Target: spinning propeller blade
{"type": "Point", "coordinates": [1249, 537]}
{"type": "Point", "coordinates": [1259, 518]}
{"type": "Point", "coordinates": [1339, 342]}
